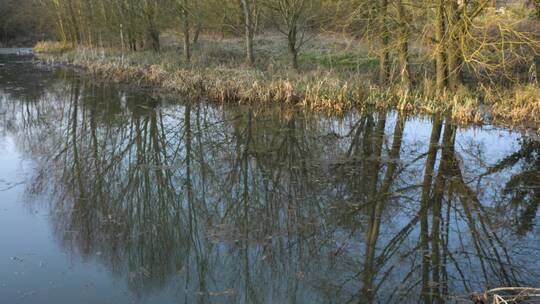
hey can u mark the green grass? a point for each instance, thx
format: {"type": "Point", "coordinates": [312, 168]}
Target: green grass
{"type": "Point", "coordinates": [345, 61]}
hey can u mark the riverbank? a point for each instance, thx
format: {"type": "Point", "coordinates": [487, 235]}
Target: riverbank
{"type": "Point", "coordinates": [334, 78]}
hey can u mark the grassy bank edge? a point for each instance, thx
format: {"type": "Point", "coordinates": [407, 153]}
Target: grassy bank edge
{"type": "Point", "coordinates": [322, 92]}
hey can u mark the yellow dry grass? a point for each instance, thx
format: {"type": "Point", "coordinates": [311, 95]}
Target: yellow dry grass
{"type": "Point", "coordinates": [52, 47]}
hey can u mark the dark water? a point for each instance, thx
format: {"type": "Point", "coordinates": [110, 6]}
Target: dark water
{"type": "Point", "coordinates": [115, 195]}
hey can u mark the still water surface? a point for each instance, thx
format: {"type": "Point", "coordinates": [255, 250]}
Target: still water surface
{"type": "Point", "coordinates": [116, 195]}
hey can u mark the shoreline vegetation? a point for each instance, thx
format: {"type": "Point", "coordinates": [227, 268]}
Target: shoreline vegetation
{"type": "Point", "coordinates": [320, 87]}
{"type": "Point", "coordinates": [475, 61]}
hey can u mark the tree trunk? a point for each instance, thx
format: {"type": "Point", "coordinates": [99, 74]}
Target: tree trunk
{"type": "Point", "coordinates": [76, 34]}
{"type": "Point", "coordinates": [154, 36]}
{"type": "Point", "coordinates": [133, 43]}
{"type": "Point", "coordinates": [292, 47]}
{"type": "Point", "coordinates": [403, 48]}
{"type": "Point", "coordinates": [294, 58]}
{"type": "Point", "coordinates": [187, 41]}
{"type": "Point", "coordinates": [248, 24]}
{"type": "Point", "coordinates": [440, 58]}
{"type": "Point", "coordinates": [197, 32]}
{"type": "Point", "coordinates": [384, 56]}
{"type": "Point", "coordinates": [153, 32]}
{"type": "Point", "coordinates": [454, 57]}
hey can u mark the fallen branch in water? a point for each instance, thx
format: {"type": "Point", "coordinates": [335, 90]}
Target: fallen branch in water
{"type": "Point", "coordinates": [508, 295]}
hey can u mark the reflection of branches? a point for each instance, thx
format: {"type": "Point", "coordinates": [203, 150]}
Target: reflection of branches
{"type": "Point", "coordinates": [11, 186]}
{"type": "Point", "coordinates": [523, 187]}
{"type": "Point", "coordinates": [264, 207]}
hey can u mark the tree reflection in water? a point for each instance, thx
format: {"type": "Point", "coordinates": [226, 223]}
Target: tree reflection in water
{"type": "Point", "coordinates": [249, 205]}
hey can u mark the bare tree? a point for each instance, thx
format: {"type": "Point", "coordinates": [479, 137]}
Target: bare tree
{"type": "Point", "coordinates": [150, 13]}
{"type": "Point", "coordinates": [384, 54]}
{"type": "Point", "coordinates": [295, 17]}
{"type": "Point", "coordinates": [248, 24]}
{"type": "Point", "coordinates": [403, 44]}
{"type": "Point", "coordinates": [184, 11]}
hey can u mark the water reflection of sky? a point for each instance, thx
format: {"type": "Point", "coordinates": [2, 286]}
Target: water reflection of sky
{"type": "Point", "coordinates": [113, 196]}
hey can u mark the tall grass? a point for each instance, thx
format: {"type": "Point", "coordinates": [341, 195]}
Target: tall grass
{"type": "Point", "coordinates": [516, 106]}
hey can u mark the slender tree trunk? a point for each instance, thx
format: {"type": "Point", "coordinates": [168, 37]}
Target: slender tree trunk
{"type": "Point", "coordinates": [187, 41]}
{"type": "Point", "coordinates": [133, 43]}
{"type": "Point", "coordinates": [154, 37]}
{"type": "Point", "coordinates": [197, 33]}
{"type": "Point", "coordinates": [403, 47]}
{"type": "Point", "coordinates": [454, 58]}
{"type": "Point", "coordinates": [153, 32]}
{"type": "Point", "coordinates": [89, 24]}
{"type": "Point", "coordinates": [196, 12]}
{"type": "Point", "coordinates": [248, 23]}
{"type": "Point", "coordinates": [294, 58]}
{"type": "Point", "coordinates": [384, 56]}
{"type": "Point", "coordinates": [440, 58]}
{"type": "Point", "coordinates": [76, 34]}
{"type": "Point", "coordinates": [292, 46]}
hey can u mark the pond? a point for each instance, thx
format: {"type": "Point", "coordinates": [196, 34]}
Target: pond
{"type": "Point", "coordinates": [114, 194]}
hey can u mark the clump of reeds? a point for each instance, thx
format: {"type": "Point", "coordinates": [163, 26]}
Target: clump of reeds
{"type": "Point", "coordinates": [519, 105]}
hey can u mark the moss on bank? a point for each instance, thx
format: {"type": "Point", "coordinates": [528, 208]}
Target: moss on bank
{"type": "Point", "coordinates": [329, 84]}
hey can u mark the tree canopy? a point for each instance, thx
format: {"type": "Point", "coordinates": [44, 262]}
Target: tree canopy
{"type": "Point", "coordinates": [487, 39]}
